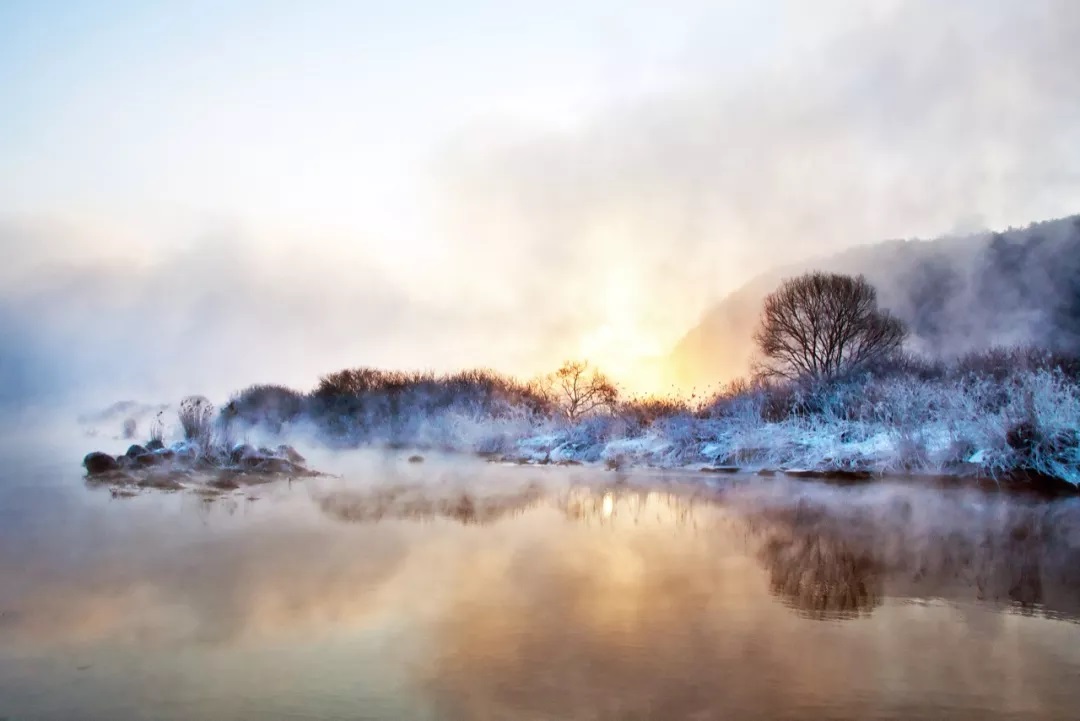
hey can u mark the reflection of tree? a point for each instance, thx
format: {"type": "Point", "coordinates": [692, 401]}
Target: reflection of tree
{"type": "Point", "coordinates": [819, 573]}
{"type": "Point", "coordinates": [827, 557]}
{"type": "Point", "coordinates": [585, 504]}
{"type": "Point", "coordinates": [414, 502]}
{"type": "Point", "coordinates": [833, 557]}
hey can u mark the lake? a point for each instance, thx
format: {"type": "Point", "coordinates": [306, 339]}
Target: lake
{"type": "Point", "coordinates": [460, 590]}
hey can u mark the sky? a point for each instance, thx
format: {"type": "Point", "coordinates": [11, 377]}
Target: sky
{"type": "Point", "coordinates": [198, 195]}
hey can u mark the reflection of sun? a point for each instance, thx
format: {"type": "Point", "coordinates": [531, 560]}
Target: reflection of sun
{"type": "Point", "coordinates": [636, 508]}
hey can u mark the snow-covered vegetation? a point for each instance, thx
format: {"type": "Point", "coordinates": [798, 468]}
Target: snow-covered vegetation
{"type": "Point", "coordinates": [1000, 415]}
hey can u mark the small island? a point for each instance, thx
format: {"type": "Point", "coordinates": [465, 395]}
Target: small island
{"type": "Point", "coordinates": [206, 458]}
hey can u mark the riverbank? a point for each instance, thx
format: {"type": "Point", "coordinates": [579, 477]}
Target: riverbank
{"type": "Point", "coordinates": [1014, 424]}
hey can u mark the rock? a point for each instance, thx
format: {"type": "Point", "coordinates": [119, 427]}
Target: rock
{"type": "Point", "coordinates": [135, 451]}
{"type": "Point", "coordinates": [290, 453]}
{"type": "Point", "coordinates": [98, 462]}
{"type": "Point", "coordinates": [155, 445]}
{"type": "Point", "coordinates": [273, 465]}
{"type": "Point", "coordinates": [242, 451]}
{"type": "Point", "coordinates": [149, 459]}
{"type": "Point", "coordinates": [184, 452]}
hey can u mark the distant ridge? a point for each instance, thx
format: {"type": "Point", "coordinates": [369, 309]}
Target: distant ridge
{"type": "Point", "coordinates": [957, 294]}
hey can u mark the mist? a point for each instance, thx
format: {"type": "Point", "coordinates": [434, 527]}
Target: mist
{"type": "Point", "coordinates": [524, 242]}
{"type": "Point", "coordinates": [908, 120]}
{"type": "Point", "coordinates": [208, 210]}
{"type": "Point", "coordinates": [620, 597]}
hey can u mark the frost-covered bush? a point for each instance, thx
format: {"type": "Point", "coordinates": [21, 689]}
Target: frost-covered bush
{"type": "Point", "coordinates": [272, 405]}
{"type": "Point", "coordinates": [976, 417]}
{"type": "Point", "coordinates": [197, 420]}
{"type": "Point", "coordinates": [157, 428]}
{"type": "Point", "coordinates": [641, 413]}
{"type": "Point", "coordinates": [936, 420]}
{"type": "Point", "coordinates": [369, 405]}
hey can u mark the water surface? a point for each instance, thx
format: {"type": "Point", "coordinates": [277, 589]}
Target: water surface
{"type": "Point", "coordinates": [468, 591]}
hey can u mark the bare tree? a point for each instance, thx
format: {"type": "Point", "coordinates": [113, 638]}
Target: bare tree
{"type": "Point", "coordinates": [577, 390]}
{"type": "Point", "coordinates": [821, 325]}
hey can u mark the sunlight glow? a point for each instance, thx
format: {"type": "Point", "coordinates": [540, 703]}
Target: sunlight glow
{"type": "Point", "coordinates": [621, 344]}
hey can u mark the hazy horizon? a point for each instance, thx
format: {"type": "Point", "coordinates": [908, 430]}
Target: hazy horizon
{"type": "Point", "coordinates": [194, 198]}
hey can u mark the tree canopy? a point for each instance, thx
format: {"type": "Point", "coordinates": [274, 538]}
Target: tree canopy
{"type": "Point", "coordinates": [821, 325]}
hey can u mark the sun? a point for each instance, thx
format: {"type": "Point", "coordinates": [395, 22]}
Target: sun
{"type": "Point", "coordinates": [621, 345]}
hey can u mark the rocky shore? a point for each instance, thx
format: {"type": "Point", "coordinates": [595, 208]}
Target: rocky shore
{"type": "Point", "coordinates": [187, 464]}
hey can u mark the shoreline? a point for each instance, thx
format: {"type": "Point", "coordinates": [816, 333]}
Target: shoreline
{"type": "Point", "coordinates": [1019, 482]}
{"type": "Point", "coordinates": [181, 467]}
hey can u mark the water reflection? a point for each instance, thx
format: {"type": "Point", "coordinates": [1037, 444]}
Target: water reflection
{"type": "Point", "coordinates": [677, 507]}
{"type": "Point", "coordinates": [834, 553]}
{"type": "Point", "coordinates": [461, 503]}
{"type": "Point", "coordinates": [564, 600]}
{"type": "Point", "coordinates": [828, 554]}
{"type": "Point", "coordinates": [418, 502]}
{"type": "Point", "coordinates": [818, 572]}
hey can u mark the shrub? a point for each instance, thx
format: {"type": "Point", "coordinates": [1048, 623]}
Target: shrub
{"type": "Point", "coordinates": [367, 404]}
{"type": "Point", "coordinates": [157, 428]}
{"type": "Point", "coordinates": [640, 413]}
{"type": "Point", "coordinates": [1002, 362]}
{"type": "Point", "coordinates": [197, 420]}
{"type": "Point", "coordinates": [272, 405]}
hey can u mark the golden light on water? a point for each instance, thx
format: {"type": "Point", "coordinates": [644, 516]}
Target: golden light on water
{"type": "Point", "coordinates": [634, 507]}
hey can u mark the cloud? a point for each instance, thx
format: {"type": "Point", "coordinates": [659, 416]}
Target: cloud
{"type": "Point", "coordinates": [909, 118]}
{"type": "Point", "coordinates": [607, 237]}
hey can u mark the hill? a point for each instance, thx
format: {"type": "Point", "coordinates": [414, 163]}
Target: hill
{"type": "Point", "coordinates": [957, 294]}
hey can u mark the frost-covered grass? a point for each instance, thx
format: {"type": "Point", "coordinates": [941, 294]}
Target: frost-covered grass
{"type": "Point", "coordinates": [989, 416]}
{"type": "Point", "coordinates": [968, 426]}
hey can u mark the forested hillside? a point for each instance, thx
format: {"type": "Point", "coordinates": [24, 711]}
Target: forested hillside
{"type": "Point", "coordinates": [957, 294]}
